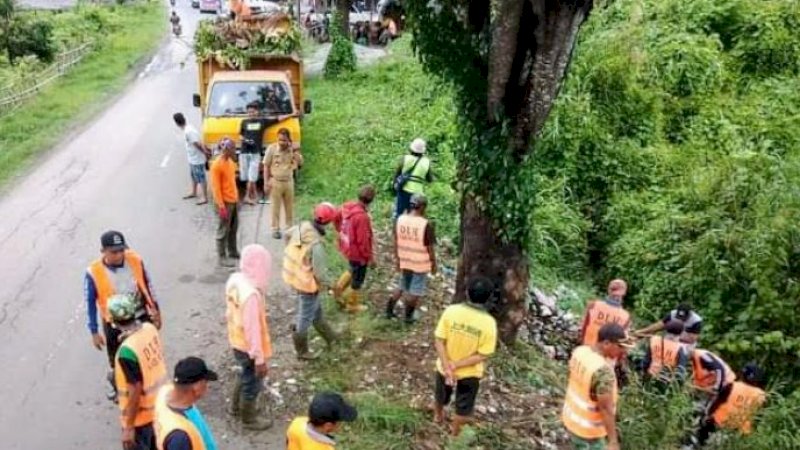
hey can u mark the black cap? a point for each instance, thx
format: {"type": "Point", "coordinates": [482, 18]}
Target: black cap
{"type": "Point", "coordinates": [614, 333]}
{"type": "Point", "coordinates": [330, 407]}
{"type": "Point", "coordinates": [191, 370]}
{"type": "Point", "coordinates": [480, 290]}
{"type": "Point", "coordinates": [113, 240]}
{"type": "Point", "coordinates": [683, 311]}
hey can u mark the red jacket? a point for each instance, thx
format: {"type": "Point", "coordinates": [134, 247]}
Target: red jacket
{"type": "Point", "coordinates": [355, 232]}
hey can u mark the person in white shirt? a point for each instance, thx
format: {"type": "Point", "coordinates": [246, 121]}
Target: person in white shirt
{"type": "Point", "coordinates": [198, 155]}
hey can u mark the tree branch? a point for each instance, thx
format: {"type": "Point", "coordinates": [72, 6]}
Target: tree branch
{"type": "Point", "coordinates": [501, 53]}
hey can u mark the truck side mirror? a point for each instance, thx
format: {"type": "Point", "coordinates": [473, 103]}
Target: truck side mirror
{"type": "Point", "coordinates": [196, 100]}
{"type": "Point", "coordinates": [307, 107]}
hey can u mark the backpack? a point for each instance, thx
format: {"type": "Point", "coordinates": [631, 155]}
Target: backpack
{"type": "Point", "coordinates": [401, 180]}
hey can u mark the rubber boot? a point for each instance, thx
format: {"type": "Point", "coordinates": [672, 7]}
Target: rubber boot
{"type": "Point", "coordinates": [324, 329]}
{"type": "Point", "coordinates": [251, 419]}
{"type": "Point", "coordinates": [354, 305]}
{"type": "Point", "coordinates": [341, 284]}
{"type": "Point", "coordinates": [222, 260]}
{"type": "Point", "coordinates": [235, 406]}
{"type": "Point", "coordinates": [301, 346]}
{"type": "Point", "coordinates": [409, 316]}
{"type": "Point", "coordinates": [390, 309]}
{"type": "Point", "coordinates": [111, 394]}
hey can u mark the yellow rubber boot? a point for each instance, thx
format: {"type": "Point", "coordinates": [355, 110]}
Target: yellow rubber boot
{"type": "Point", "coordinates": [341, 284]}
{"type": "Point", "coordinates": [354, 302]}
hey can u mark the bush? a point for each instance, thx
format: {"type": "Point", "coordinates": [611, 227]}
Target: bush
{"type": "Point", "coordinates": [342, 58]}
{"type": "Point", "coordinates": [30, 37]}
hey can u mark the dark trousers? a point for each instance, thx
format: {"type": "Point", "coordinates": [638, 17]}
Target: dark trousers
{"type": "Point", "coordinates": [707, 426]}
{"type": "Point", "coordinates": [226, 231]}
{"type": "Point", "coordinates": [145, 438]}
{"type": "Point", "coordinates": [251, 384]}
{"type": "Point", "coordinates": [402, 203]}
{"type": "Point", "coordinates": [358, 273]}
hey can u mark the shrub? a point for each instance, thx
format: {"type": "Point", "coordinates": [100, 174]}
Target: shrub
{"type": "Point", "coordinates": [342, 58]}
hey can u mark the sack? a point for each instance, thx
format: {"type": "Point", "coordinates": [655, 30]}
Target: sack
{"type": "Point", "coordinates": [401, 180]}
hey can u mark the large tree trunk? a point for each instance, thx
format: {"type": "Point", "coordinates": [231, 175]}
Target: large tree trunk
{"type": "Point", "coordinates": [343, 10]}
{"type": "Point", "coordinates": [482, 253]}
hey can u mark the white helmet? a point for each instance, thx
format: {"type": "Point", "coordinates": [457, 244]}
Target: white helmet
{"type": "Point", "coordinates": [418, 146]}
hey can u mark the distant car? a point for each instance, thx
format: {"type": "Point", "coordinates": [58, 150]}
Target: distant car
{"type": "Point", "coordinates": [195, 4]}
{"type": "Point", "coordinates": [210, 6]}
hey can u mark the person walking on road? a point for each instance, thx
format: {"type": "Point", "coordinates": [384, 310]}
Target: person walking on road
{"type": "Point", "coordinates": [252, 132]}
{"type": "Point", "coordinates": [414, 249]}
{"type": "Point", "coordinates": [466, 336]}
{"type": "Point", "coordinates": [590, 403]}
{"type": "Point", "coordinates": [179, 424]}
{"type": "Point", "coordinates": [692, 324]}
{"type": "Point", "coordinates": [248, 332]}
{"type": "Point", "coordinates": [315, 432]}
{"type": "Point", "coordinates": [139, 372]}
{"type": "Point", "coordinates": [412, 172]}
{"type": "Point", "coordinates": [226, 198]}
{"type": "Point", "coordinates": [305, 271]}
{"type": "Point", "coordinates": [356, 245]}
{"type": "Point", "coordinates": [198, 155]}
{"type": "Point", "coordinates": [119, 270]}
{"type": "Point", "coordinates": [601, 312]}
{"type": "Point", "coordinates": [280, 162]}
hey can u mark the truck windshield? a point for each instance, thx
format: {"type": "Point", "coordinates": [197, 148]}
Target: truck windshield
{"type": "Point", "coordinates": [230, 98]}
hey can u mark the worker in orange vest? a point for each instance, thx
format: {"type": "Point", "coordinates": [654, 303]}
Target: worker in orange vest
{"type": "Point", "coordinates": [139, 372]}
{"type": "Point", "coordinates": [305, 271]}
{"type": "Point", "coordinates": [415, 240]}
{"type": "Point", "coordinates": [666, 357]}
{"type": "Point", "coordinates": [601, 312]}
{"type": "Point", "coordinates": [590, 402]}
{"type": "Point", "coordinates": [248, 333]}
{"type": "Point", "coordinates": [325, 415]}
{"type": "Point", "coordinates": [119, 270]}
{"type": "Point", "coordinates": [734, 408]}
{"type": "Point", "coordinates": [179, 424]}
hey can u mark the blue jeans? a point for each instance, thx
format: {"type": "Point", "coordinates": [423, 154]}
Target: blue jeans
{"type": "Point", "coordinates": [402, 203]}
{"type": "Point", "coordinates": [309, 311]}
{"type": "Point", "coordinates": [251, 384]}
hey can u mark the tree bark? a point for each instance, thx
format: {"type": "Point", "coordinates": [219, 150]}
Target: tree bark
{"type": "Point", "coordinates": [343, 10]}
{"type": "Point", "coordinates": [482, 253]}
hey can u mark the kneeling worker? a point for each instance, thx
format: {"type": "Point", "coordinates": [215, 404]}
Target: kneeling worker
{"type": "Point", "coordinates": [139, 372]}
{"type": "Point", "coordinates": [315, 432]}
{"type": "Point", "coordinates": [590, 403]}
{"type": "Point", "coordinates": [666, 358]}
{"type": "Point", "coordinates": [179, 424]}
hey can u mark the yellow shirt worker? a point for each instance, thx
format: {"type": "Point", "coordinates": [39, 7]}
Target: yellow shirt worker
{"type": "Point", "coordinates": [325, 415]}
{"type": "Point", "coordinates": [466, 336]}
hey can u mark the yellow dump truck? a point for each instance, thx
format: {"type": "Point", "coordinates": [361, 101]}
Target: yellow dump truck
{"type": "Point", "coordinates": [275, 82]}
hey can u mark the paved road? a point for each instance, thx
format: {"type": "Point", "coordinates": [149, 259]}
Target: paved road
{"type": "Point", "coordinates": [127, 171]}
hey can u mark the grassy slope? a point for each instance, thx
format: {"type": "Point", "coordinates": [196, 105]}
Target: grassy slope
{"type": "Point", "coordinates": [42, 122]}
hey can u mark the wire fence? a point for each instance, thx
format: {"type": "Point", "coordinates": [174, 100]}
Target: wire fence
{"type": "Point", "coordinates": [12, 97]}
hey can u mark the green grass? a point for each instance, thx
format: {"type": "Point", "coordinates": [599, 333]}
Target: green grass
{"type": "Point", "coordinates": [41, 122]}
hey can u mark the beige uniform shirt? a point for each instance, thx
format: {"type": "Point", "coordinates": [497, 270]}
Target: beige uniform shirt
{"type": "Point", "coordinates": [282, 163]}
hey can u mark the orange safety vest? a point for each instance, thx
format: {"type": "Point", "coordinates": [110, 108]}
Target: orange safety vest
{"type": "Point", "coordinates": [739, 408]}
{"type": "Point", "coordinates": [297, 269]}
{"type": "Point", "coordinates": [146, 345]}
{"type": "Point", "coordinates": [411, 249]}
{"type": "Point", "coordinates": [601, 313]}
{"type": "Point", "coordinates": [663, 355]}
{"type": "Point", "coordinates": [297, 437]}
{"type": "Point", "coordinates": [105, 288]}
{"type": "Point", "coordinates": [167, 421]}
{"type": "Point", "coordinates": [239, 290]}
{"type": "Point", "coordinates": [581, 414]}
{"type": "Point", "coordinates": [704, 378]}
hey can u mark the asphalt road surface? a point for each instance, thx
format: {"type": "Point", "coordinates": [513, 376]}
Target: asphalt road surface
{"type": "Point", "coordinates": [127, 171]}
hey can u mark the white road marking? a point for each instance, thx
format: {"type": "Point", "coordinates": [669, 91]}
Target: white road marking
{"type": "Point", "coordinates": [165, 161]}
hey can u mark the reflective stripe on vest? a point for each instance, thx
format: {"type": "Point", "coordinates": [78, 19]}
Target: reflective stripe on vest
{"type": "Point", "coordinates": [704, 378]}
{"type": "Point", "coordinates": [297, 435]}
{"type": "Point", "coordinates": [415, 184]}
{"type": "Point", "coordinates": [145, 343]}
{"type": "Point", "coordinates": [105, 287]}
{"type": "Point", "coordinates": [411, 249]}
{"type": "Point", "coordinates": [297, 269]}
{"type": "Point", "coordinates": [663, 355]}
{"type": "Point", "coordinates": [240, 289]}
{"type": "Point", "coordinates": [166, 421]}
{"type": "Point", "coordinates": [581, 414]}
{"type": "Point", "coordinates": [739, 408]}
{"type": "Point", "coordinates": [601, 313]}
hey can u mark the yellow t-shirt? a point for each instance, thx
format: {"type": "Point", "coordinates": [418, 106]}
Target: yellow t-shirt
{"type": "Point", "coordinates": [466, 331]}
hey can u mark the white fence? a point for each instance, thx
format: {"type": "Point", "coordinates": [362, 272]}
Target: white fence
{"type": "Point", "coordinates": [14, 96]}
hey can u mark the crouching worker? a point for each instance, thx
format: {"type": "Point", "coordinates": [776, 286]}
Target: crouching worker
{"type": "Point", "coordinates": [466, 336]}
{"type": "Point", "coordinates": [734, 408]}
{"type": "Point", "coordinates": [304, 269]}
{"type": "Point", "coordinates": [325, 415]}
{"type": "Point", "coordinates": [666, 358]}
{"type": "Point", "coordinates": [248, 333]}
